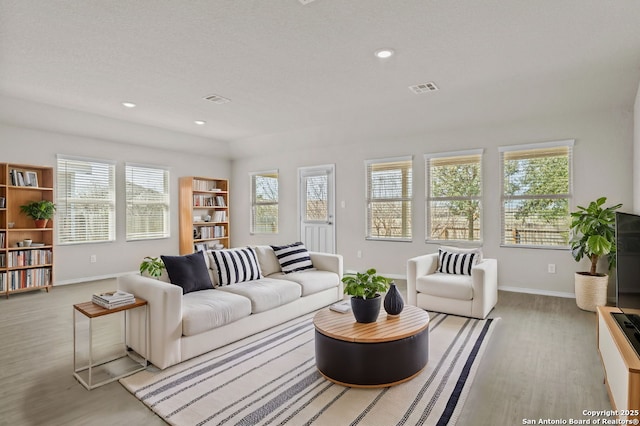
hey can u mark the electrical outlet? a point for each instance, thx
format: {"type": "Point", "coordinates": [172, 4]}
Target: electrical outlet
{"type": "Point", "coordinates": [359, 254]}
{"type": "Point", "coordinates": [93, 258]}
{"type": "Point", "coordinates": [551, 268]}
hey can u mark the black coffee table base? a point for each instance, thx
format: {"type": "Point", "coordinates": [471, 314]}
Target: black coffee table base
{"type": "Point", "coordinates": [378, 364]}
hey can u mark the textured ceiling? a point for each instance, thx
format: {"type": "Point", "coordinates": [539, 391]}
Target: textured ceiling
{"type": "Point", "coordinates": [288, 67]}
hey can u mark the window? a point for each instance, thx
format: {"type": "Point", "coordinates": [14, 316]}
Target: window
{"type": "Point", "coordinates": [86, 200]}
{"type": "Point", "coordinates": [389, 192]}
{"type": "Point", "coordinates": [536, 192]}
{"type": "Point", "coordinates": [454, 196]}
{"type": "Point", "coordinates": [264, 202]}
{"type": "Point", "coordinates": [147, 202]}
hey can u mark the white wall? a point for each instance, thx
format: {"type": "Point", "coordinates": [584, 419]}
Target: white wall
{"type": "Point", "coordinates": [636, 153]}
{"type": "Point", "coordinates": [603, 165]}
{"type": "Point", "coordinates": [72, 262]}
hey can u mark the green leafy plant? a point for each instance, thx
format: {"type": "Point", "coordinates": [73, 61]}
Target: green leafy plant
{"type": "Point", "coordinates": [365, 285]}
{"type": "Point", "coordinates": [152, 266]}
{"type": "Point", "coordinates": [593, 230]}
{"type": "Point", "coordinates": [38, 210]}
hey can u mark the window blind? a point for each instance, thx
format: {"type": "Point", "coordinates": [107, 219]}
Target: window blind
{"type": "Point", "coordinates": [453, 183]}
{"type": "Point", "coordinates": [147, 201]}
{"type": "Point", "coordinates": [536, 194]}
{"type": "Point", "coordinates": [389, 194]}
{"type": "Point", "coordinates": [264, 202]}
{"type": "Point", "coordinates": [85, 200]}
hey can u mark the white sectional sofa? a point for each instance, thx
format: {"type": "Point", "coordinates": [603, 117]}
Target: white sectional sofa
{"type": "Point", "coordinates": [182, 326]}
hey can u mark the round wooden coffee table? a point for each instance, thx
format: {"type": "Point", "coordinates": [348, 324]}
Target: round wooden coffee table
{"type": "Point", "coordinates": [384, 353]}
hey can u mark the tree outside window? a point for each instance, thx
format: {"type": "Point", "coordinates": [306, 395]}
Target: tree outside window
{"type": "Point", "coordinates": [536, 194]}
{"type": "Point", "coordinates": [454, 196]}
{"type": "Point", "coordinates": [264, 202]}
{"type": "Point", "coordinates": [389, 195]}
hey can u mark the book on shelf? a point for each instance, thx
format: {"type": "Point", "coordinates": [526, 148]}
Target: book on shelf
{"type": "Point", "coordinates": [220, 201]}
{"type": "Point", "coordinates": [342, 307]}
{"type": "Point", "coordinates": [220, 216]}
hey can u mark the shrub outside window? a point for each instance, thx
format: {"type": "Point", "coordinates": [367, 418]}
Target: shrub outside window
{"type": "Point", "coordinates": [85, 200]}
{"type": "Point", "coordinates": [147, 201]}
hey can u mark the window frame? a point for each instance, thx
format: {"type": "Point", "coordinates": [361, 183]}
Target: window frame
{"type": "Point", "coordinates": [407, 197]}
{"type": "Point", "coordinates": [543, 146]}
{"type": "Point", "coordinates": [165, 200]}
{"type": "Point", "coordinates": [64, 199]}
{"type": "Point", "coordinates": [255, 203]}
{"type": "Point", "coordinates": [429, 198]}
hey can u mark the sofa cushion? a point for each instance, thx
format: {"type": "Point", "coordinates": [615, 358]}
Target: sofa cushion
{"type": "Point", "coordinates": [448, 286]}
{"type": "Point", "coordinates": [456, 263]}
{"type": "Point", "coordinates": [209, 309]}
{"type": "Point", "coordinates": [266, 293]}
{"type": "Point", "coordinates": [236, 265]}
{"type": "Point", "coordinates": [267, 259]}
{"type": "Point", "coordinates": [311, 282]}
{"type": "Point", "coordinates": [189, 272]}
{"type": "Point", "coordinates": [293, 257]}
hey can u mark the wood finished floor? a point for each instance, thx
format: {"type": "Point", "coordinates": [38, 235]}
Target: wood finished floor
{"type": "Point", "coordinates": [542, 363]}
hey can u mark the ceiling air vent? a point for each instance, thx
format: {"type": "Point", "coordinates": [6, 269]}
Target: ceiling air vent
{"type": "Point", "coordinates": [217, 99]}
{"type": "Point", "coordinates": [423, 88]}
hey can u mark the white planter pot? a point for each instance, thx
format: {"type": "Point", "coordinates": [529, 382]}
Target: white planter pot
{"type": "Point", "coordinates": [591, 291]}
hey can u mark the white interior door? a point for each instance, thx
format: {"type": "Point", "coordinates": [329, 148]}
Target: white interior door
{"type": "Point", "coordinates": [317, 208]}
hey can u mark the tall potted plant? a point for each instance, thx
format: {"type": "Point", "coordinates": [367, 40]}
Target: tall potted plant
{"type": "Point", "coordinates": [364, 289]}
{"type": "Point", "coordinates": [40, 211]}
{"type": "Point", "coordinates": [593, 236]}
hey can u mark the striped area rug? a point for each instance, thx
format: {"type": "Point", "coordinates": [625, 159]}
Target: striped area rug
{"type": "Point", "coordinates": [271, 379]}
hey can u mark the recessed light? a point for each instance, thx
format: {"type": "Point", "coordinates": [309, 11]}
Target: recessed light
{"type": "Point", "coordinates": [129, 104]}
{"type": "Point", "coordinates": [384, 53]}
{"type": "Point", "coordinates": [200, 122]}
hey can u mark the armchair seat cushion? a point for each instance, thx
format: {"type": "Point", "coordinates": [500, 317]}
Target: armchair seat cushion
{"type": "Point", "coordinates": [449, 286]}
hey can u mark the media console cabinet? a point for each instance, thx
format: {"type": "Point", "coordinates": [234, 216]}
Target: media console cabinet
{"type": "Point", "coordinates": [621, 364]}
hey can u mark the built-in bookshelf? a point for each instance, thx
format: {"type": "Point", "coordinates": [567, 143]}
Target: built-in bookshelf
{"type": "Point", "coordinates": [26, 252]}
{"type": "Point", "coordinates": [204, 213]}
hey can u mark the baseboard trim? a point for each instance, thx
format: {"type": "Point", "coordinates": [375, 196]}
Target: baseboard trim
{"type": "Point", "coordinates": [537, 291]}
{"type": "Point", "coordinates": [94, 278]}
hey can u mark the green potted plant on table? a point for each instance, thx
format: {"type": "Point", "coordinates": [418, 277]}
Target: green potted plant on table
{"type": "Point", "coordinates": [40, 211]}
{"type": "Point", "coordinates": [594, 236]}
{"type": "Point", "coordinates": [364, 289]}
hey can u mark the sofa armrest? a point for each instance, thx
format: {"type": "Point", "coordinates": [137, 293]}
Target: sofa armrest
{"type": "Point", "coordinates": [418, 267]}
{"type": "Point", "coordinates": [485, 287]}
{"type": "Point", "coordinates": [327, 262]}
{"type": "Point", "coordinates": [164, 320]}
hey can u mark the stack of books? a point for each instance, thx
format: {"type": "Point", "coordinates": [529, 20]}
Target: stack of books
{"type": "Point", "coordinates": [113, 299]}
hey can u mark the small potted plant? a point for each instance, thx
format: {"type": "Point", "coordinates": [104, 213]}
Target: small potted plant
{"type": "Point", "coordinates": [593, 236]}
{"type": "Point", "coordinates": [364, 289]}
{"type": "Point", "coordinates": [40, 211]}
{"type": "Point", "coordinates": [152, 266]}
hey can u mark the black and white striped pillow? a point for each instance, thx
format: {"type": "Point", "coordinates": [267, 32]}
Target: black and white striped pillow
{"type": "Point", "coordinates": [456, 263]}
{"type": "Point", "coordinates": [236, 265]}
{"type": "Point", "coordinates": [293, 257]}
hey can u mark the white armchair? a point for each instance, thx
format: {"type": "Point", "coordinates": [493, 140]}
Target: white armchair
{"type": "Point", "coordinates": [464, 295]}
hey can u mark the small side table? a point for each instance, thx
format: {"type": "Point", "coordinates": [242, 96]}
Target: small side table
{"type": "Point", "coordinates": [115, 364]}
